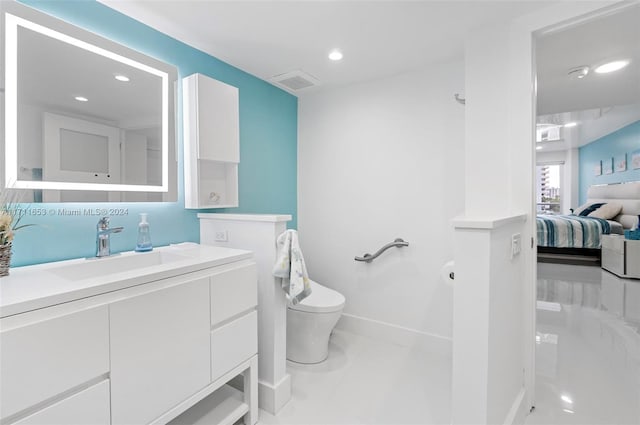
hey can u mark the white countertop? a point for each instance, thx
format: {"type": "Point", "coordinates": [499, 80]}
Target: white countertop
{"type": "Point", "coordinates": [43, 285]}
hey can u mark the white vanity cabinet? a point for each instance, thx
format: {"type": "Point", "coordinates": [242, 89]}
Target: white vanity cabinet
{"type": "Point", "coordinates": [89, 406]}
{"type": "Point", "coordinates": [46, 356]}
{"type": "Point", "coordinates": [144, 353]}
{"type": "Point", "coordinates": [159, 350]}
{"type": "Point", "coordinates": [234, 319]}
{"type": "Point", "coordinates": [211, 142]}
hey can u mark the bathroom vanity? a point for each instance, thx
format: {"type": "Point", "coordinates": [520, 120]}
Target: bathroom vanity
{"type": "Point", "coordinates": [136, 338]}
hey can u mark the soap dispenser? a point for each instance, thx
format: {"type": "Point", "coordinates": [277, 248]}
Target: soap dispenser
{"type": "Point", "coordinates": [144, 235]}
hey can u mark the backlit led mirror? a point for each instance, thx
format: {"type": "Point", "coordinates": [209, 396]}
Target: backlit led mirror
{"type": "Point", "coordinates": [85, 119]}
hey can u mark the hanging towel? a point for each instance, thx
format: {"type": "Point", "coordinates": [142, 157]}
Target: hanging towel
{"type": "Point", "coordinates": [290, 267]}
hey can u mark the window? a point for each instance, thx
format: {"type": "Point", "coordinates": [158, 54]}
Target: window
{"type": "Point", "coordinates": [548, 188]}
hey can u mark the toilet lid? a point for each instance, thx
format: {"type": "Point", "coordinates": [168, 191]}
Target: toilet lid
{"type": "Point", "coordinates": [321, 300]}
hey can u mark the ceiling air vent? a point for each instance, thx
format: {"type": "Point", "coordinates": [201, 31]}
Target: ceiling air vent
{"type": "Point", "coordinates": [295, 80]}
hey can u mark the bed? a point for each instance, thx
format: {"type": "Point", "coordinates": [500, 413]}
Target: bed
{"type": "Point", "coordinates": [575, 237]}
{"type": "Point", "coordinates": [571, 231]}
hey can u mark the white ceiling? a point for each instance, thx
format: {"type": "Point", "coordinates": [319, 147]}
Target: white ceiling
{"type": "Point", "coordinates": [600, 103]}
{"type": "Point", "coordinates": [592, 43]}
{"type": "Point", "coordinates": [383, 38]}
{"type": "Point", "coordinates": [379, 38]}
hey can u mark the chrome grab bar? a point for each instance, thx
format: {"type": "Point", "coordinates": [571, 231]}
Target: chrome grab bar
{"type": "Point", "coordinates": [367, 258]}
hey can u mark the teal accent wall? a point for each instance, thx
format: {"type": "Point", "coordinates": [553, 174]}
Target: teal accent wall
{"type": "Point", "coordinates": [268, 149]}
{"type": "Point", "coordinates": [620, 142]}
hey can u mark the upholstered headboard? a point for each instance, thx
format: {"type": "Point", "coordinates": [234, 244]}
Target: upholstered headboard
{"type": "Point", "coordinates": [627, 194]}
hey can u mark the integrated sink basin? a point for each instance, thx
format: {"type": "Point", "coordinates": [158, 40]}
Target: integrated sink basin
{"type": "Point", "coordinates": [43, 285]}
{"type": "Point", "coordinates": [118, 263]}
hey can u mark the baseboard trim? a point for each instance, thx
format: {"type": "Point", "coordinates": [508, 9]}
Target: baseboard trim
{"type": "Point", "coordinates": [395, 334]}
{"type": "Point", "coordinates": [519, 409]}
{"type": "Point", "coordinates": [272, 398]}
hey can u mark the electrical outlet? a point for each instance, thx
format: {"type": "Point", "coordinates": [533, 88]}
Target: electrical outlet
{"type": "Point", "coordinates": [221, 236]}
{"type": "Point", "coordinates": [516, 244]}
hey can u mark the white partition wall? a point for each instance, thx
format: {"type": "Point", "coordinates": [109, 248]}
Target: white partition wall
{"type": "Point", "coordinates": [494, 291]}
{"type": "Point", "coordinates": [258, 233]}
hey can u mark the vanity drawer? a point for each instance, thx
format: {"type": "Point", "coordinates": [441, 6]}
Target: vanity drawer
{"type": "Point", "coordinates": [233, 292]}
{"type": "Point", "coordinates": [233, 343]}
{"type": "Point", "coordinates": [88, 407]}
{"type": "Point", "coordinates": [43, 359]}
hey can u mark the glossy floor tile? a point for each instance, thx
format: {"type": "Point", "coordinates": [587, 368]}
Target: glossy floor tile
{"type": "Point", "coordinates": [587, 347]}
{"type": "Point", "coordinates": [365, 381]}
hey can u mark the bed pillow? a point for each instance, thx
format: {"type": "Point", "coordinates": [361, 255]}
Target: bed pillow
{"type": "Point", "coordinates": [586, 209]}
{"type": "Point", "coordinates": [607, 211]}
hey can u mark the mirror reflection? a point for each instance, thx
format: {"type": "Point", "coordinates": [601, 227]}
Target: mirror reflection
{"type": "Point", "coordinates": [90, 124]}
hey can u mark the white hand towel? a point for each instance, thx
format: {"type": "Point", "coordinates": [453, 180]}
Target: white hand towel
{"type": "Point", "coordinates": [290, 267]}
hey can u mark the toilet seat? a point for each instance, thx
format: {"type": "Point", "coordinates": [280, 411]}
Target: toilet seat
{"type": "Point", "coordinates": [321, 300]}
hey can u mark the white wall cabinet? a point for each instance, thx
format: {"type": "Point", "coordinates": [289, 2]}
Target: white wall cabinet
{"type": "Point", "coordinates": [211, 142]}
{"type": "Point", "coordinates": [145, 354]}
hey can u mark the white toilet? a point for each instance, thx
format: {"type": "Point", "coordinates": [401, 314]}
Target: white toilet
{"type": "Point", "coordinates": [310, 322]}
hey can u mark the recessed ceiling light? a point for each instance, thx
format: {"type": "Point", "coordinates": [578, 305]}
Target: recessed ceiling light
{"type": "Point", "coordinates": [122, 78]}
{"type": "Point", "coordinates": [570, 124]}
{"type": "Point", "coordinates": [578, 72]}
{"type": "Point", "coordinates": [81, 99]}
{"type": "Point", "coordinates": [611, 66]}
{"type": "Point", "coordinates": [335, 55]}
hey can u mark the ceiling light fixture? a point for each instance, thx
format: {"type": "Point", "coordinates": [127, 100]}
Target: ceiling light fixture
{"type": "Point", "coordinates": [335, 55]}
{"type": "Point", "coordinates": [578, 72]}
{"type": "Point", "coordinates": [611, 66]}
{"type": "Point", "coordinates": [538, 148]}
{"type": "Point", "coordinates": [122, 78]}
{"type": "Point", "coordinates": [570, 124]}
{"type": "Point", "coordinates": [81, 99]}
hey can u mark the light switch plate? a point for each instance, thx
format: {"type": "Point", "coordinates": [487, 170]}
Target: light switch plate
{"type": "Point", "coordinates": [516, 244]}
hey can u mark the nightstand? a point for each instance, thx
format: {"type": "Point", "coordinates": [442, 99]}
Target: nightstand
{"type": "Point", "coordinates": [621, 256]}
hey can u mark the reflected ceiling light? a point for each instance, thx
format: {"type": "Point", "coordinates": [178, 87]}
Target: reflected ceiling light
{"type": "Point", "coordinates": [538, 148]}
{"type": "Point", "coordinates": [335, 55]}
{"type": "Point", "coordinates": [122, 78]}
{"type": "Point", "coordinates": [566, 399]}
{"type": "Point", "coordinates": [81, 99]}
{"type": "Point", "coordinates": [568, 411]}
{"type": "Point", "coordinates": [570, 124]}
{"type": "Point", "coordinates": [578, 72]}
{"type": "Point", "coordinates": [611, 66]}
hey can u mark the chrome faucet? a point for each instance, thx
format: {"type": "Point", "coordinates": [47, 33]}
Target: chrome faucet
{"type": "Point", "coordinates": [103, 231]}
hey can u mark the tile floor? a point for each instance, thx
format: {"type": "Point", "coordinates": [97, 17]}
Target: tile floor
{"type": "Point", "coordinates": [587, 364]}
{"type": "Point", "coordinates": [365, 381]}
{"type": "Point", "coordinates": [587, 347]}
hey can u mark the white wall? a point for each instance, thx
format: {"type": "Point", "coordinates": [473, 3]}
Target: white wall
{"type": "Point", "coordinates": [377, 161]}
{"type": "Point", "coordinates": [493, 360]}
{"type": "Point", "coordinates": [488, 357]}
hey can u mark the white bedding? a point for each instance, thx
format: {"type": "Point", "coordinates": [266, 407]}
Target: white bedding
{"type": "Point", "coordinates": [616, 228]}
